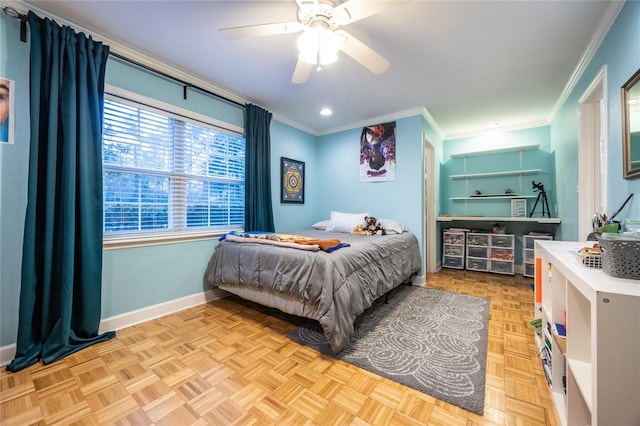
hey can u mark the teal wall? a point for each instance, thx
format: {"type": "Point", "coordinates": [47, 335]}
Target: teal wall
{"type": "Point", "coordinates": [14, 159]}
{"type": "Point", "coordinates": [620, 52]}
{"type": "Point", "coordinates": [400, 199]}
{"type": "Point", "coordinates": [539, 158]}
{"type": "Point", "coordinates": [289, 142]}
{"type": "Point", "coordinates": [498, 140]}
{"type": "Point", "coordinates": [138, 80]}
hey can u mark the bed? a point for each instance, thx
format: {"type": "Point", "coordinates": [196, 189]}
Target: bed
{"type": "Point", "coordinates": [330, 287]}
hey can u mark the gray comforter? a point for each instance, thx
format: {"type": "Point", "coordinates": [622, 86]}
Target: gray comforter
{"type": "Point", "coordinates": [333, 288]}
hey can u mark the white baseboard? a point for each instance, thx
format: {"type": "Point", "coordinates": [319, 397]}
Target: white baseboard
{"type": "Point", "coordinates": [419, 280]}
{"type": "Point", "coordinates": [138, 316]}
{"type": "Point", "coordinates": [7, 353]}
{"type": "Point", "coordinates": [117, 322]}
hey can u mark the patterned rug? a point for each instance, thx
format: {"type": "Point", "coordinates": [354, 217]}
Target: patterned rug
{"type": "Point", "coordinates": [431, 340]}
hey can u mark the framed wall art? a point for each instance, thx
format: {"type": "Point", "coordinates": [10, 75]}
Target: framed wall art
{"type": "Point", "coordinates": [7, 110]}
{"type": "Point", "coordinates": [378, 153]}
{"type": "Point", "coordinates": [291, 181]}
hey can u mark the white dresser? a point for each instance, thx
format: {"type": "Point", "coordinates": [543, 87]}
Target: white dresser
{"type": "Point", "coordinates": [595, 370]}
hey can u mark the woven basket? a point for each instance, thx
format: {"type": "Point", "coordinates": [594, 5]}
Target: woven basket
{"type": "Point", "coordinates": [590, 260]}
{"type": "Point", "coordinates": [620, 257]}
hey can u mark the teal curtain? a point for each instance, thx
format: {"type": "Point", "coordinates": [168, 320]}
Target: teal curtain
{"type": "Point", "coordinates": [258, 211]}
{"type": "Point", "coordinates": [60, 296]}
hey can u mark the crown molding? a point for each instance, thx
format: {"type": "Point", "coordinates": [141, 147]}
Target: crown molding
{"type": "Point", "coordinates": [286, 120]}
{"type": "Point", "coordinates": [601, 32]}
{"type": "Point", "coordinates": [427, 116]}
{"type": "Point", "coordinates": [379, 119]}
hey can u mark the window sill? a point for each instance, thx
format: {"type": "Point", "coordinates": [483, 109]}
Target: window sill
{"type": "Point", "coordinates": [120, 242]}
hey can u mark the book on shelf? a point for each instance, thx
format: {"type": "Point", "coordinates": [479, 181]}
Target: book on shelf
{"type": "Point", "coordinates": [560, 330]}
{"type": "Point", "coordinates": [547, 371]}
{"type": "Point", "coordinates": [545, 359]}
{"type": "Point", "coordinates": [537, 325]}
{"type": "Point", "coordinates": [547, 337]}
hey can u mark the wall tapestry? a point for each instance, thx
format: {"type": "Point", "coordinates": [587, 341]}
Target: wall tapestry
{"type": "Point", "coordinates": [7, 114]}
{"type": "Point", "coordinates": [291, 181]}
{"type": "Point", "coordinates": [378, 153]}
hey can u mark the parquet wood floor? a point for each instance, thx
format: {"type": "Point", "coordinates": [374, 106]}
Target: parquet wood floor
{"type": "Point", "coordinates": [229, 363]}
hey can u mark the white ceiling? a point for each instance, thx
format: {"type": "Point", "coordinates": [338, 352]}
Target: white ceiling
{"type": "Point", "coordinates": [469, 63]}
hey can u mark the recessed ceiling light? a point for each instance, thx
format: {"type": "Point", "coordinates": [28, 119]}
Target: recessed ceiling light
{"type": "Point", "coordinates": [326, 111]}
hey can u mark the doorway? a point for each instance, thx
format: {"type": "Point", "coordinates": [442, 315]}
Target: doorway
{"type": "Point", "coordinates": [592, 153]}
{"type": "Point", "coordinates": [430, 233]}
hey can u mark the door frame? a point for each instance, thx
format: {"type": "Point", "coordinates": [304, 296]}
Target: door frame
{"type": "Point", "coordinates": [429, 206]}
{"type": "Point", "coordinates": [592, 153]}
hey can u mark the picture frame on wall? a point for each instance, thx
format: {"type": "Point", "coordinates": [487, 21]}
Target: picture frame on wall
{"type": "Point", "coordinates": [291, 181]}
{"type": "Point", "coordinates": [7, 110]}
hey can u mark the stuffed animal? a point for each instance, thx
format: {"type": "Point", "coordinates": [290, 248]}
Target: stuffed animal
{"type": "Point", "coordinates": [359, 229]}
{"type": "Point", "coordinates": [373, 227]}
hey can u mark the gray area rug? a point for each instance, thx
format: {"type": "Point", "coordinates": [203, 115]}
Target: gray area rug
{"type": "Point", "coordinates": [431, 340]}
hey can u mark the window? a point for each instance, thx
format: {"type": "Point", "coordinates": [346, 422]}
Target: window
{"type": "Point", "coordinates": [164, 175]}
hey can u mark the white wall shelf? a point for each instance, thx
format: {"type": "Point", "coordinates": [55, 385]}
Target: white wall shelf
{"type": "Point", "coordinates": [492, 197]}
{"type": "Point", "coordinates": [551, 220]}
{"type": "Point", "coordinates": [495, 151]}
{"type": "Point", "coordinates": [494, 174]}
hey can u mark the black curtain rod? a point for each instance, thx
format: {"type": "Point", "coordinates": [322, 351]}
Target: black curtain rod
{"type": "Point", "coordinates": [184, 83]}
{"type": "Point", "coordinates": [23, 21]}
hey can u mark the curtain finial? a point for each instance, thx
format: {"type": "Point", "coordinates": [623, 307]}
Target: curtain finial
{"type": "Point", "coordinates": [23, 21]}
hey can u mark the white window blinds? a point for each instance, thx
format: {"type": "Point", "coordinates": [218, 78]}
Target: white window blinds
{"type": "Point", "coordinates": [162, 174]}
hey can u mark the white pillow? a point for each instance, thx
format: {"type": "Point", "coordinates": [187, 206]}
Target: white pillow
{"type": "Point", "coordinates": [345, 222]}
{"type": "Point", "coordinates": [392, 227]}
{"type": "Point", "coordinates": [322, 225]}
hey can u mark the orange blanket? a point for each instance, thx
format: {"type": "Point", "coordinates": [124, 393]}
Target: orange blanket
{"type": "Point", "coordinates": [286, 240]}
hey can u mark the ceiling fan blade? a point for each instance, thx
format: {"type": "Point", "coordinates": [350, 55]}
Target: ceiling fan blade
{"type": "Point", "coordinates": [362, 53]}
{"type": "Point", "coordinates": [301, 73]}
{"type": "Point", "coordinates": [262, 30]}
{"type": "Point", "coordinates": [353, 10]}
{"type": "Point", "coordinates": [302, 3]}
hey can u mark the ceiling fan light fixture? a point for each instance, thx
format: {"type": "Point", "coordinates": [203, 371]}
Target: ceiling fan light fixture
{"type": "Point", "coordinates": [327, 56]}
{"type": "Point", "coordinates": [330, 44]}
{"type": "Point", "coordinates": [308, 56]}
{"type": "Point", "coordinates": [319, 46]}
{"type": "Point", "coordinates": [308, 43]}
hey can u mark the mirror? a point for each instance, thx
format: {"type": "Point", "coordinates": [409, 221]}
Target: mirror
{"type": "Point", "coordinates": [631, 127]}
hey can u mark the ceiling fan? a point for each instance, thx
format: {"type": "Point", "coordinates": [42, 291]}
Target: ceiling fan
{"type": "Point", "coordinates": [321, 38]}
